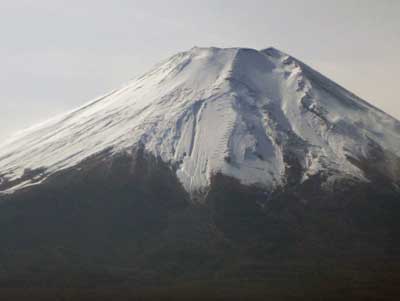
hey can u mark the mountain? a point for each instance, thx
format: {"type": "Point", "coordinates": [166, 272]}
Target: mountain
{"type": "Point", "coordinates": [237, 111]}
{"type": "Point", "coordinates": [218, 164]}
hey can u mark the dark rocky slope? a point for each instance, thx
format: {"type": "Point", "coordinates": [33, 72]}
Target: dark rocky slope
{"type": "Point", "coordinates": [127, 222]}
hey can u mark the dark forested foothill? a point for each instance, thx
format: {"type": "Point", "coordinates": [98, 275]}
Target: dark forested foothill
{"type": "Point", "coordinates": [126, 227]}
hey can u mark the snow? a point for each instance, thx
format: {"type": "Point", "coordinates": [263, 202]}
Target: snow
{"type": "Point", "coordinates": [236, 111]}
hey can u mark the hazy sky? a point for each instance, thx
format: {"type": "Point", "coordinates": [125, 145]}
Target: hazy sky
{"type": "Point", "coordinates": [55, 55]}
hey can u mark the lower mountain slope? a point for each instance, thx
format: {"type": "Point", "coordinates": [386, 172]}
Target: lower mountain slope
{"type": "Point", "coordinates": [129, 223]}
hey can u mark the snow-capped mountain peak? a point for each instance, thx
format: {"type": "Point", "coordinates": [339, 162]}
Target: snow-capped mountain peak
{"type": "Point", "coordinates": [241, 112]}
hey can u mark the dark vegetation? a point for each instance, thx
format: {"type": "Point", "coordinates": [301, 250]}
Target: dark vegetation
{"type": "Point", "coordinates": [125, 229]}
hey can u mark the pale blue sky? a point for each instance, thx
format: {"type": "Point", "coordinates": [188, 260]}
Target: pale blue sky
{"type": "Point", "coordinates": [55, 55]}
